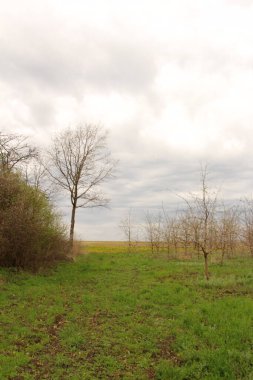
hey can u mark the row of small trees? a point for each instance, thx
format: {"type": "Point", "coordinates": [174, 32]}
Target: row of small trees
{"type": "Point", "coordinates": [204, 226]}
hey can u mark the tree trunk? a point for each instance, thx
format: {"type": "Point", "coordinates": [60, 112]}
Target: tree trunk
{"type": "Point", "coordinates": [206, 266]}
{"type": "Point", "coordinates": [222, 256]}
{"type": "Point", "coordinates": [72, 225]}
{"type": "Point", "coordinates": [168, 249]}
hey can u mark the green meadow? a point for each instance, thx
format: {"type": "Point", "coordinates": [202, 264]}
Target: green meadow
{"type": "Point", "coordinates": [112, 314]}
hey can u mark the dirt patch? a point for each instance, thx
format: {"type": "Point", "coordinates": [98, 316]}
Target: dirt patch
{"type": "Point", "coordinates": [151, 373]}
{"type": "Point", "coordinates": [59, 321]}
{"type": "Point", "coordinates": [99, 317]}
{"type": "Point", "coordinates": [233, 292]}
{"type": "Point", "coordinates": [37, 367]}
{"type": "Point", "coordinates": [178, 276]}
{"type": "Point", "coordinates": [166, 351]}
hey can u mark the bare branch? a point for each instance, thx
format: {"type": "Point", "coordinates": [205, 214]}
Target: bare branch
{"type": "Point", "coordinates": [15, 151]}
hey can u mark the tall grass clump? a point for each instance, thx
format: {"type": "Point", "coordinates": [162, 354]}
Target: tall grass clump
{"type": "Point", "coordinates": [31, 235]}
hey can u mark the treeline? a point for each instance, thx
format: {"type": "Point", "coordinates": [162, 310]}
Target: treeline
{"type": "Point", "coordinates": [76, 162]}
{"type": "Point", "coordinates": [204, 226]}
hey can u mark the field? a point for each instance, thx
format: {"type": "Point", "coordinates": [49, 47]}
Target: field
{"type": "Point", "coordinates": [118, 315]}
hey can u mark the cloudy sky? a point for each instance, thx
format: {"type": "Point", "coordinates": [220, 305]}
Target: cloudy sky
{"type": "Point", "coordinates": [171, 80]}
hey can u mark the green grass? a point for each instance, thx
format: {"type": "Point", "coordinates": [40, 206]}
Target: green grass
{"type": "Point", "coordinates": [126, 316]}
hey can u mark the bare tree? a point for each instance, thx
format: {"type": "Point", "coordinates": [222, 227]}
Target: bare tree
{"type": "Point", "coordinates": [130, 230]}
{"type": "Point", "coordinates": [172, 234]}
{"type": "Point", "coordinates": [167, 230]}
{"type": "Point", "coordinates": [185, 231]}
{"type": "Point", "coordinates": [195, 232]}
{"type": "Point", "coordinates": [158, 232]}
{"type": "Point", "coordinates": [36, 176]}
{"type": "Point", "coordinates": [228, 231]}
{"type": "Point", "coordinates": [202, 208]}
{"type": "Point", "coordinates": [79, 162]}
{"type": "Point", "coordinates": [154, 231]}
{"type": "Point", "coordinates": [247, 224]}
{"type": "Point", "coordinates": [150, 230]}
{"type": "Point", "coordinates": [175, 233]}
{"type": "Point", "coordinates": [14, 151]}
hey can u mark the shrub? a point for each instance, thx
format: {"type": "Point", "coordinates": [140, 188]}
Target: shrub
{"type": "Point", "coordinates": [31, 235]}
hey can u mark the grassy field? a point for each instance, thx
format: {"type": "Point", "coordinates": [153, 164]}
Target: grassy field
{"type": "Point", "coordinates": [114, 315]}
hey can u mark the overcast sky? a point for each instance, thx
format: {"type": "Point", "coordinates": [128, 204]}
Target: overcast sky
{"type": "Point", "coordinates": [171, 80]}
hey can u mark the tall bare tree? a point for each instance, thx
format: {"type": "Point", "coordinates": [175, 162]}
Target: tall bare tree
{"type": "Point", "coordinates": [202, 208]}
{"type": "Point", "coordinates": [15, 151]}
{"type": "Point", "coordinates": [79, 162]}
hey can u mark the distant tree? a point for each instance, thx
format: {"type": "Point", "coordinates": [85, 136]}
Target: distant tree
{"type": "Point", "coordinates": [170, 232]}
{"type": "Point", "coordinates": [154, 230]}
{"type": "Point", "coordinates": [175, 233]}
{"type": "Point", "coordinates": [15, 151]}
{"type": "Point", "coordinates": [247, 224]}
{"type": "Point", "coordinates": [36, 176]}
{"type": "Point", "coordinates": [202, 211]}
{"type": "Point", "coordinates": [167, 230]}
{"type": "Point", "coordinates": [129, 229]}
{"type": "Point", "coordinates": [79, 161]}
{"type": "Point", "coordinates": [195, 224]}
{"type": "Point", "coordinates": [185, 231]}
{"type": "Point", "coordinates": [228, 231]}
